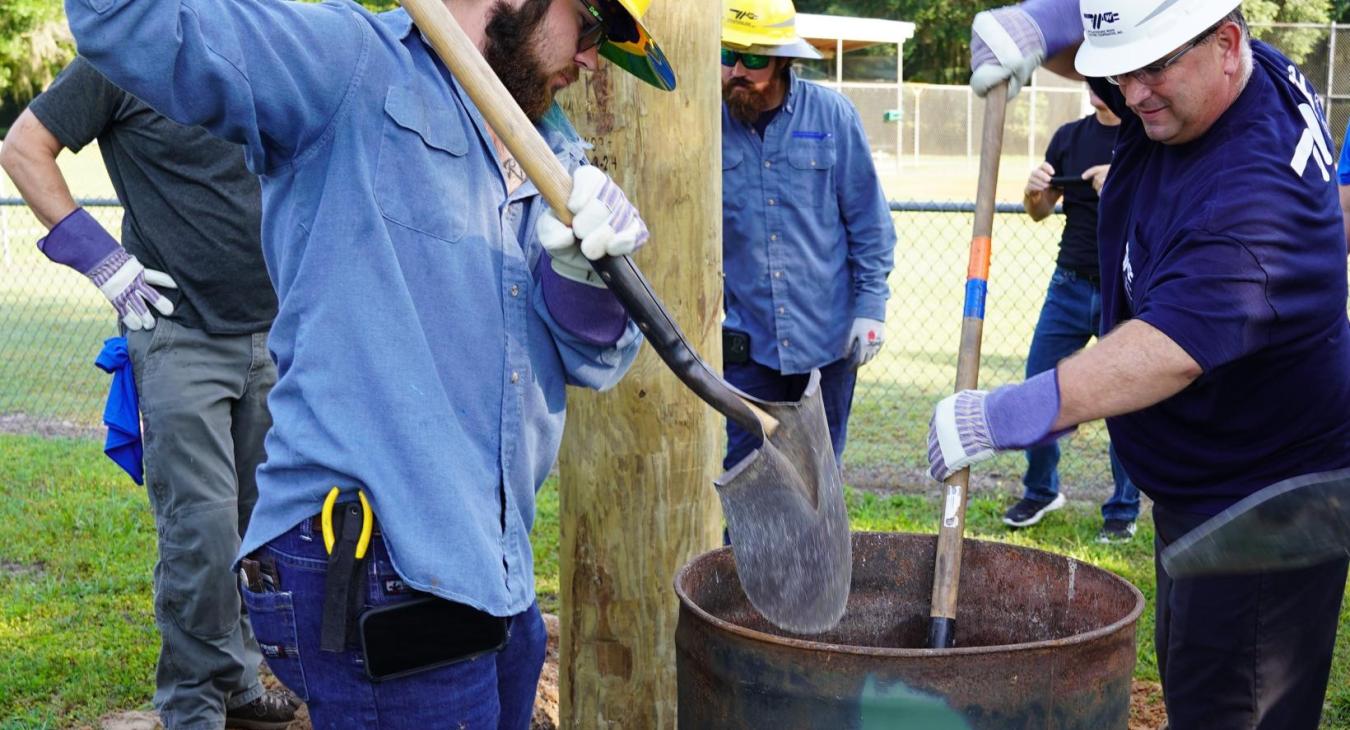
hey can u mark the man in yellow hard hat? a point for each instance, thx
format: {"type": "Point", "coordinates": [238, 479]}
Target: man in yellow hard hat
{"type": "Point", "coordinates": [431, 313]}
{"type": "Point", "coordinates": [807, 234]}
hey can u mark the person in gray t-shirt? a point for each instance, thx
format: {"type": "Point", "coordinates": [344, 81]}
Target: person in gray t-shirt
{"type": "Point", "coordinates": [190, 253]}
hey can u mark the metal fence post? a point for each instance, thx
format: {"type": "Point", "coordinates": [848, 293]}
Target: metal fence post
{"type": "Point", "coordinates": [918, 120]}
{"type": "Point", "coordinates": [4, 225]}
{"type": "Point", "coordinates": [1331, 68]}
{"type": "Point", "coordinates": [970, 118]}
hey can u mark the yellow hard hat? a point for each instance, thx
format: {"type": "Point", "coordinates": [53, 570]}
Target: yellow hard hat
{"type": "Point", "coordinates": [768, 26]}
{"type": "Point", "coordinates": [628, 44]}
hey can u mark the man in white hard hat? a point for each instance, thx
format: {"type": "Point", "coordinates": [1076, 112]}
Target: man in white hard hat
{"type": "Point", "coordinates": [807, 235]}
{"type": "Point", "coordinates": [431, 313]}
{"type": "Point", "coordinates": [1227, 363]}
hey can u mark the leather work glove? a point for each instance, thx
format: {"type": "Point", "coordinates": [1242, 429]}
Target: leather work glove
{"type": "Point", "coordinates": [79, 242]}
{"type": "Point", "coordinates": [972, 425]}
{"type": "Point", "coordinates": [1011, 42]}
{"type": "Point", "coordinates": [865, 340]}
{"type": "Point", "coordinates": [604, 223]}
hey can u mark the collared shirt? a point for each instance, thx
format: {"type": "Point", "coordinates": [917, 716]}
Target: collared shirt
{"type": "Point", "coordinates": [1232, 246]}
{"type": "Point", "coordinates": [807, 237]}
{"type": "Point", "coordinates": [416, 356]}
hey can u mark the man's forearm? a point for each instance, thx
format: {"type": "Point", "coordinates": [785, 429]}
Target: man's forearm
{"type": "Point", "coordinates": [1132, 368]}
{"type": "Point", "coordinates": [29, 158]}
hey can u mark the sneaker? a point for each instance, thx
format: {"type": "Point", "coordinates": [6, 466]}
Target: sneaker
{"type": "Point", "coordinates": [1028, 512]}
{"type": "Point", "coordinates": [271, 711]}
{"type": "Point", "coordinates": [1116, 531]}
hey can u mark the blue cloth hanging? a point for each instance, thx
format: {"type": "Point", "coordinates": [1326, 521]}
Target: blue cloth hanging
{"type": "Point", "coordinates": [122, 414]}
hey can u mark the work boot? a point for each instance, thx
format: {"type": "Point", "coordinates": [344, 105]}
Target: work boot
{"type": "Point", "coordinates": [271, 711]}
{"type": "Point", "coordinates": [1028, 512]}
{"type": "Point", "coordinates": [1116, 531]}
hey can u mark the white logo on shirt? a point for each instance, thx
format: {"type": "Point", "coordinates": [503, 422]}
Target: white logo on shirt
{"type": "Point", "coordinates": [1315, 142]}
{"type": "Point", "coordinates": [1128, 271]}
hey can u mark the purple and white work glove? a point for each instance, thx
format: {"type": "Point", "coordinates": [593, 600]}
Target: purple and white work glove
{"type": "Point", "coordinates": [972, 425]}
{"type": "Point", "coordinates": [79, 242]}
{"type": "Point", "coordinates": [604, 223]}
{"type": "Point", "coordinates": [865, 340]}
{"type": "Point", "coordinates": [1010, 43]}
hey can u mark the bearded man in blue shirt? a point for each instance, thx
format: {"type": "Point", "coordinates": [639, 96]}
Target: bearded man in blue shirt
{"type": "Point", "coordinates": [807, 235]}
{"type": "Point", "coordinates": [1226, 366]}
{"type": "Point", "coordinates": [431, 313]}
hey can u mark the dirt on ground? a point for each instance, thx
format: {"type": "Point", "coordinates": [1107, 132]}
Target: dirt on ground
{"type": "Point", "coordinates": [1146, 706]}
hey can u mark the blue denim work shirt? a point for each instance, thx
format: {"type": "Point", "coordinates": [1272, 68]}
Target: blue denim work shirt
{"type": "Point", "coordinates": [807, 237]}
{"type": "Point", "coordinates": [416, 356]}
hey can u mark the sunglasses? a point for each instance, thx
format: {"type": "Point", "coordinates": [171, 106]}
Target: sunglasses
{"type": "Point", "coordinates": [592, 29]}
{"type": "Point", "coordinates": [1152, 74]}
{"type": "Point", "coordinates": [751, 61]}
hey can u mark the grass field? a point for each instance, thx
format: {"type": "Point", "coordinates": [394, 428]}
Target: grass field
{"type": "Point", "coordinates": [77, 548]}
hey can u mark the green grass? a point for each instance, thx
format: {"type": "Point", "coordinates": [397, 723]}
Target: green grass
{"type": "Point", "coordinates": [77, 548]}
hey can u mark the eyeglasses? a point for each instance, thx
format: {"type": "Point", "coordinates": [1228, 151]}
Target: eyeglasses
{"type": "Point", "coordinates": [751, 61]}
{"type": "Point", "coordinates": [593, 31]}
{"type": "Point", "coordinates": [1152, 74]}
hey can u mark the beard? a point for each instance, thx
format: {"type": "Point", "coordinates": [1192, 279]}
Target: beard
{"type": "Point", "coordinates": [743, 101]}
{"type": "Point", "coordinates": [512, 37]}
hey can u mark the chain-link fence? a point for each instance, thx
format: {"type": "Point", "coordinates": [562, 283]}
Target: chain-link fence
{"type": "Point", "coordinates": [53, 323]}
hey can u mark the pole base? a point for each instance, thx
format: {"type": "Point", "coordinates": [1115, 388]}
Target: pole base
{"type": "Point", "coordinates": [941, 632]}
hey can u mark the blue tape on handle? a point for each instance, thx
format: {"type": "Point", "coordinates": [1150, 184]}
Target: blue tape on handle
{"type": "Point", "coordinates": [976, 289]}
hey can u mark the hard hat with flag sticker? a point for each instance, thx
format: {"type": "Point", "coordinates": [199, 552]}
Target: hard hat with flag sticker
{"type": "Point", "coordinates": [764, 27]}
{"type": "Point", "coordinates": [1120, 36]}
{"type": "Point", "coordinates": [627, 43]}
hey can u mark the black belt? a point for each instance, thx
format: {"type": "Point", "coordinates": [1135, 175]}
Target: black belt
{"type": "Point", "coordinates": [1094, 277]}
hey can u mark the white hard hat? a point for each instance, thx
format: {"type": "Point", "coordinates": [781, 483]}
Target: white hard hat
{"type": "Point", "coordinates": [1120, 36]}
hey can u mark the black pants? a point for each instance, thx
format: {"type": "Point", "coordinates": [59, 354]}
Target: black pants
{"type": "Point", "coordinates": [1244, 651]}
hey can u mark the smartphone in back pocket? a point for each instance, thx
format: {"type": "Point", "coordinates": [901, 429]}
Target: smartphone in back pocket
{"type": "Point", "coordinates": [425, 633]}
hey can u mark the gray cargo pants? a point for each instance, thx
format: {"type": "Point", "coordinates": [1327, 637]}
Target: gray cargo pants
{"type": "Point", "coordinates": [204, 413]}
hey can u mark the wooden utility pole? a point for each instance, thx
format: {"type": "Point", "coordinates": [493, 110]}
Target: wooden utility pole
{"type": "Point", "coordinates": [637, 463]}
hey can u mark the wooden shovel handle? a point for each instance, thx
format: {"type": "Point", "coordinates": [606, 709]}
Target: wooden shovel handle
{"type": "Point", "coordinates": [947, 567]}
{"type": "Point", "coordinates": [515, 130]}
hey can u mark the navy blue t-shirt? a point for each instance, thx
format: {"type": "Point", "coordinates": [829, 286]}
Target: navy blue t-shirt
{"type": "Point", "coordinates": [1076, 147]}
{"type": "Point", "coordinates": [1232, 246]}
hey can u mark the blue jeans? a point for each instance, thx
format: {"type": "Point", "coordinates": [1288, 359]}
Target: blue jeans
{"type": "Point", "coordinates": [491, 691]}
{"type": "Point", "coordinates": [836, 390]}
{"type": "Point", "coordinates": [1071, 316]}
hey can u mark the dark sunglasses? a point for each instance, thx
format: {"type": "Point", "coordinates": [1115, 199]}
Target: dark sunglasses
{"type": "Point", "coordinates": [751, 61]}
{"type": "Point", "coordinates": [593, 31]}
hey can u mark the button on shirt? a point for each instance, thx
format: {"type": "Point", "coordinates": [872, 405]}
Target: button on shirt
{"type": "Point", "coordinates": [807, 234]}
{"type": "Point", "coordinates": [417, 358]}
{"type": "Point", "coordinates": [1232, 246]}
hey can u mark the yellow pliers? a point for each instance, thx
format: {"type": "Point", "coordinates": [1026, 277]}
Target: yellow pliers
{"type": "Point", "coordinates": [367, 522]}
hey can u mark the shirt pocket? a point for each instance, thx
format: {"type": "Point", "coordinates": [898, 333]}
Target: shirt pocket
{"type": "Point", "coordinates": [422, 166]}
{"type": "Point", "coordinates": [811, 168]}
{"type": "Point", "coordinates": [734, 188]}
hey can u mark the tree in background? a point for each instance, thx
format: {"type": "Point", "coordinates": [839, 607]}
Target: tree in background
{"type": "Point", "coordinates": [939, 53]}
{"type": "Point", "coordinates": [34, 45]}
{"type": "Point", "coordinates": [1296, 43]}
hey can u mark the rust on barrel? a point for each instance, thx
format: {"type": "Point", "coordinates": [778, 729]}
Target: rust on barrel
{"type": "Point", "coordinates": [1043, 641]}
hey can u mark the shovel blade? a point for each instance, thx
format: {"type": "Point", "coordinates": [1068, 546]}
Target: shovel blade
{"type": "Point", "coordinates": [1291, 524]}
{"type": "Point", "coordinates": [784, 506]}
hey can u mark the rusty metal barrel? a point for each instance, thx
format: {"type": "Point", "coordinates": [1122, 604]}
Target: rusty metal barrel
{"type": "Point", "coordinates": [1044, 642]}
